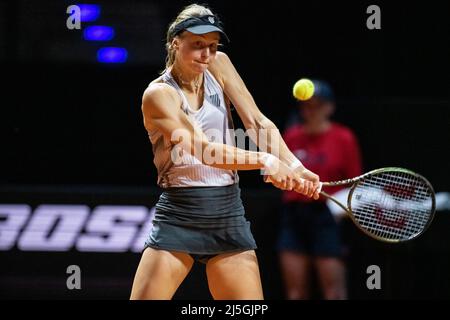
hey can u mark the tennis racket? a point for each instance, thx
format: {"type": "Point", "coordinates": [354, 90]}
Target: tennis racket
{"type": "Point", "coordinates": [388, 204]}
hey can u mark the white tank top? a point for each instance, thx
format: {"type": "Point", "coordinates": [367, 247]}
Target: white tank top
{"type": "Point", "coordinates": [214, 118]}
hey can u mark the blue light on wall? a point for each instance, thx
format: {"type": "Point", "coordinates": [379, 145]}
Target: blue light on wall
{"type": "Point", "coordinates": [98, 33]}
{"type": "Point", "coordinates": [112, 55]}
{"type": "Point", "coordinates": [89, 12]}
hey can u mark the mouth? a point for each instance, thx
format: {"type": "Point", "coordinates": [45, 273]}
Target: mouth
{"type": "Point", "coordinates": [199, 62]}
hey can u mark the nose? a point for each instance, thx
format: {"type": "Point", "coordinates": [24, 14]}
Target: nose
{"type": "Point", "coordinates": [205, 53]}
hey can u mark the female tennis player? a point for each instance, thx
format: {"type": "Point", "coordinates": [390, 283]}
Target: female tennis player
{"type": "Point", "coordinates": [199, 215]}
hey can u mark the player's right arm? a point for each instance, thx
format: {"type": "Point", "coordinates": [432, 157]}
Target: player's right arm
{"type": "Point", "coordinates": [257, 124]}
{"type": "Point", "coordinates": [161, 108]}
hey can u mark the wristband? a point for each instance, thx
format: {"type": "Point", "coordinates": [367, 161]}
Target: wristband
{"type": "Point", "coordinates": [269, 161]}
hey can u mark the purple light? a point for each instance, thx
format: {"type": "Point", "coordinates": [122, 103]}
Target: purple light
{"type": "Point", "coordinates": [89, 12]}
{"type": "Point", "coordinates": [98, 33]}
{"type": "Point", "coordinates": [112, 55]}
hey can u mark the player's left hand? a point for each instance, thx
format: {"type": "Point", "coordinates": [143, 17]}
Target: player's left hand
{"type": "Point", "coordinates": [311, 185]}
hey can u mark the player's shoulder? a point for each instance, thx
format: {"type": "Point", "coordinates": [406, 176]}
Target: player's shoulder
{"type": "Point", "coordinates": [219, 63]}
{"type": "Point", "coordinates": [221, 59]}
{"type": "Point", "coordinates": [220, 66]}
{"type": "Point", "coordinates": [159, 87]}
{"type": "Point", "coordinates": [159, 92]}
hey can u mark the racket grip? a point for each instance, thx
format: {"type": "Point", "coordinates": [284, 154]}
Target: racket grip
{"type": "Point", "coordinates": [320, 187]}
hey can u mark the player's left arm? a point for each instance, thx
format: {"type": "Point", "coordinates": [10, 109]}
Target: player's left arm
{"type": "Point", "coordinates": [253, 119]}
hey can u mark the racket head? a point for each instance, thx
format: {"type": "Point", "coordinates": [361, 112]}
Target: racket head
{"type": "Point", "coordinates": [392, 204]}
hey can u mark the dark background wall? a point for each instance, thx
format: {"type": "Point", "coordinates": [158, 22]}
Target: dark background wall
{"type": "Point", "coordinates": [68, 121]}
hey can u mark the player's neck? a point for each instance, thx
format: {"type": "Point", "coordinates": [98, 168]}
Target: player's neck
{"type": "Point", "coordinates": [187, 80]}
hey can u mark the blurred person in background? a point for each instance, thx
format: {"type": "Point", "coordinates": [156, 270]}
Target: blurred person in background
{"type": "Point", "coordinates": [309, 238]}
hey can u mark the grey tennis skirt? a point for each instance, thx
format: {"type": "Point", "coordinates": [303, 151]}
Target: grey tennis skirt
{"type": "Point", "coordinates": [201, 221]}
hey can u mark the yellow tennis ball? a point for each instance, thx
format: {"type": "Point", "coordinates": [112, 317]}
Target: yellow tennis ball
{"type": "Point", "coordinates": [303, 89]}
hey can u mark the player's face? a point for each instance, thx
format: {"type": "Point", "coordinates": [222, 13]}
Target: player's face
{"type": "Point", "coordinates": [315, 110]}
{"type": "Point", "coordinates": [196, 52]}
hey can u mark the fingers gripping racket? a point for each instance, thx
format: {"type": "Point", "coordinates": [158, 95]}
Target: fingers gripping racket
{"type": "Point", "coordinates": [388, 204]}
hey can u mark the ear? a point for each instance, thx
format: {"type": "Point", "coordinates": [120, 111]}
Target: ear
{"type": "Point", "coordinates": [175, 43]}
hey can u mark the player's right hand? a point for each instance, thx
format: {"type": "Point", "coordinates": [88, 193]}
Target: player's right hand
{"type": "Point", "coordinates": [311, 183]}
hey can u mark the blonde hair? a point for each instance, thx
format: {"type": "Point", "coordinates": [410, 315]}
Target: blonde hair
{"type": "Point", "coordinates": [193, 10]}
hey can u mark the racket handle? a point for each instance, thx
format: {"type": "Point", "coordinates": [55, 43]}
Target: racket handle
{"type": "Point", "coordinates": [267, 179]}
{"type": "Point", "coordinates": [320, 186]}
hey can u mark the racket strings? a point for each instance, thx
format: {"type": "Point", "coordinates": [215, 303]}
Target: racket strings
{"type": "Point", "coordinates": [392, 205]}
{"type": "Point", "coordinates": [391, 220]}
